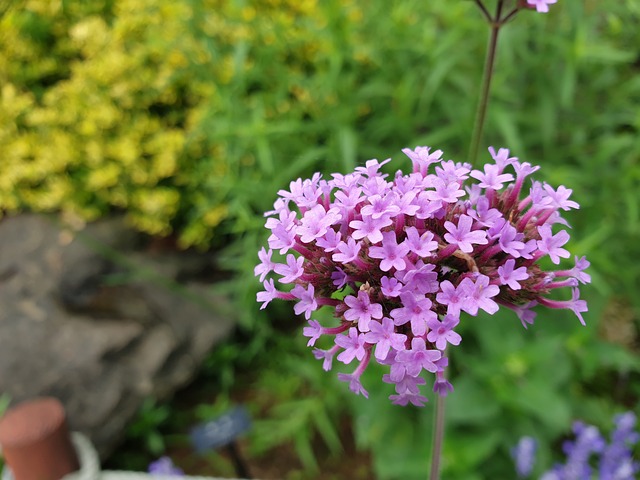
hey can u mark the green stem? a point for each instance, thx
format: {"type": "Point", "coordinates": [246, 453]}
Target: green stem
{"type": "Point", "coordinates": [485, 88]}
{"type": "Point", "coordinates": [438, 437]}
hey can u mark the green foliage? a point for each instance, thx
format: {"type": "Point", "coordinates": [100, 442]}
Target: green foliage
{"type": "Point", "coordinates": [4, 404]}
{"type": "Point", "coordinates": [146, 428]}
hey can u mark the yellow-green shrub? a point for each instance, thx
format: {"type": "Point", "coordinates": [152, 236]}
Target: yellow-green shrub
{"type": "Point", "coordinates": [188, 113]}
{"type": "Point", "coordinates": [139, 105]}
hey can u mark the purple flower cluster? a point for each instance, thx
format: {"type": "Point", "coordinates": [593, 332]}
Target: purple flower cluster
{"type": "Point", "coordinates": [588, 455]}
{"type": "Point", "coordinates": [400, 259]}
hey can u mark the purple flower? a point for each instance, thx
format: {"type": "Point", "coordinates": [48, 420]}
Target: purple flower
{"type": "Point", "coordinates": [560, 197]}
{"type": "Point", "coordinates": [483, 214]}
{"type": "Point", "coordinates": [329, 241]}
{"type": "Point", "coordinates": [307, 303]}
{"type": "Point", "coordinates": [399, 259]}
{"type": "Point", "coordinates": [268, 294]}
{"type": "Point", "coordinates": [479, 295]}
{"type": "Point", "coordinates": [406, 398]}
{"type": "Point", "coordinates": [353, 345]}
{"type": "Point", "coordinates": [292, 270]}
{"type": "Point", "coordinates": [416, 310]}
{"type": "Point", "coordinates": [422, 245]}
{"type": "Point", "coordinates": [502, 158]}
{"type": "Point", "coordinates": [462, 236]}
{"type": "Point", "coordinates": [384, 336]}
{"type": "Point", "coordinates": [491, 178]}
{"type": "Point", "coordinates": [452, 296]}
{"type": "Point", "coordinates": [418, 358]}
{"type": "Point", "coordinates": [391, 254]}
{"type": "Point", "coordinates": [354, 383]}
{"type": "Point", "coordinates": [542, 6]}
{"type": "Point", "coordinates": [408, 384]}
{"type": "Point", "coordinates": [361, 310]}
{"type": "Point", "coordinates": [510, 241]}
{"type": "Point", "coordinates": [447, 192]}
{"type": "Point", "coordinates": [348, 252]}
{"type": "Point", "coordinates": [421, 158]}
{"type": "Point", "coordinates": [379, 206]}
{"type": "Point", "coordinates": [315, 222]}
{"type": "Point", "coordinates": [326, 356]}
{"type": "Point", "coordinates": [314, 330]}
{"type": "Point", "coordinates": [588, 455]}
{"type": "Point", "coordinates": [369, 227]}
{"type": "Point", "coordinates": [164, 466]}
{"type": "Point", "coordinates": [550, 244]}
{"type": "Point", "coordinates": [509, 276]}
{"type": "Point", "coordinates": [390, 287]}
{"type": "Point", "coordinates": [265, 266]}
{"type": "Point", "coordinates": [524, 455]}
{"type": "Point", "coordinates": [442, 333]}
{"type": "Point", "coordinates": [442, 386]}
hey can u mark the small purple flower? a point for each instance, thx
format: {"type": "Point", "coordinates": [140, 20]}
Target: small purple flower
{"type": "Point", "coordinates": [422, 158]}
{"type": "Point", "coordinates": [408, 384]}
{"type": "Point", "coordinates": [542, 6]}
{"type": "Point", "coordinates": [348, 251]}
{"type": "Point", "coordinates": [315, 222]}
{"type": "Point", "coordinates": [483, 214]}
{"type": "Point", "coordinates": [370, 228]}
{"type": "Point", "coordinates": [265, 266]}
{"type": "Point", "coordinates": [422, 245]}
{"type": "Point", "coordinates": [491, 178]}
{"type": "Point", "coordinates": [524, 455]}
{"type": "Point", "coordinates": [560, 197]}
{"type": "Point", "coordinates": [313, 331]}
{"type": "Point", "coordinates": [307, 300]}
{"type": "Point", "coordinates": [511, 241]}
{"type": "Point", "coordinates": [442, 333]}
{"type": "Point", "coordinates": [511, 277]}
{"type": "Point", "coordinates": [384, 337]}
{"type": "Point", "coordinates": [164, 466]}
{"type": "Point", "coordinates": [361, 310]}
{"type": "Point", "coordinates": [452, 296]}
{"type": "Point", "coordinates": [391, 253]}
{"type": "Point", "coordinates": [448, 192]}
{"type": "Point", "coordinates": [550, 244]}
{"type": "Point", "coordinates": [479, 295]}
{"type": "Point", "coordinates": [462, 236]}
{"type": "Point", "coordinates": [416, 310]}
{"type": "Point", "coordinates": [354, 383]}
{"type": "Point", "coordinates": [268, 294]}
{"type": "Point", "coordinates": [390, 286]}
{"type": "Point", "coordinates": [326, 356]}
{"type": "Point", "coordinates": [419, 357]}
{"type": "Point", "coordinates": [406, 398]}
{"type": "Point", "coordinates": [442, 386]}
{"type": "Point", "coordinates": [292, 270]}
{"type": "Point", "coordinates": [353, 345]}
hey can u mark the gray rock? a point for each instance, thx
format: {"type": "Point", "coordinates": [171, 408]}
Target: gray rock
{"type": "Point", "coordinates": [99, 323]}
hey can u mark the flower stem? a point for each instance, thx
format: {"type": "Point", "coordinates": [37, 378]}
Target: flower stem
{"type": "Point", "coordinates": [438, 437]}
{"type": "Point", "coordinates": [485, 88]}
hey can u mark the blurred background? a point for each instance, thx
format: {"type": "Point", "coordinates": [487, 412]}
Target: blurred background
{"type": "Point", "coordinates": [183, 118]}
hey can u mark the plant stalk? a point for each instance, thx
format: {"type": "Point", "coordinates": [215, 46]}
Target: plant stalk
{"type": "Point", "coordinates": [483, 103]}
{"type": "Point", "coordinates": [438, 437]}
